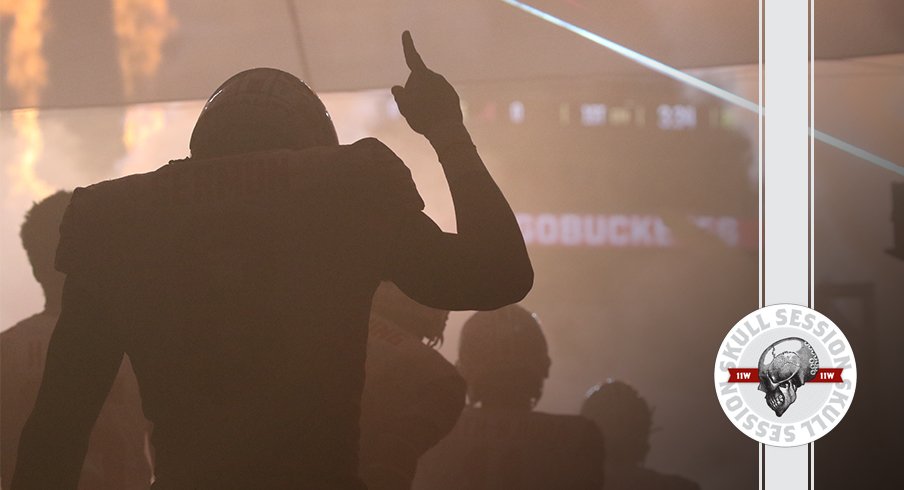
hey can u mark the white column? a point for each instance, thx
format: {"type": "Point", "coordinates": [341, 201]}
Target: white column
{"type": "Point", "coordinates": [785, 193]}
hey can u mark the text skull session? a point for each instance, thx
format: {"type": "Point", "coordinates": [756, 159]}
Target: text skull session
{"type": "Point", "coordinates": [785, 375]}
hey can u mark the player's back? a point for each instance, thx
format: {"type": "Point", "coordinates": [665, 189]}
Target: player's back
{"type": "Point", "coordinates": [412, 398]}
{"type": "Point", "coordinates": [240, 287]}
{"type": "Point", "coordinates": [503, 449]}
{"type": "Point", "coordinates": [401, 371]}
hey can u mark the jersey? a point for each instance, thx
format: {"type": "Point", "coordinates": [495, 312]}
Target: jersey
{"type": "Point", "coordinates": [412, 398]}
{"type": "Point", "coordinates": [116, 457]}
{"type": "Point", "coordinates": [503, 449]}
{"type": "Point", "coordinates": [240, 289]}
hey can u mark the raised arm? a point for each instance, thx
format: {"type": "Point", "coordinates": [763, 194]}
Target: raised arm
{"type": "Point", "coordinates": [485, 264]}
{"type": "Point", "coordinates": [82, 362]}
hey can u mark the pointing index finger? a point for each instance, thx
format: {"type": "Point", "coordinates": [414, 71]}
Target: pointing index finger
{"type": "Point", "coordinates": [412, 58]}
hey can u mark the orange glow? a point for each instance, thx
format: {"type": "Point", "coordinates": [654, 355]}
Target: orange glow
{"type": "Point", "coordinates": [27, 68]}
{"type": "Point", "coordinates": [22, 172]}
{"type": "Point", "coordinates": [27, 75]}
{"type": "Point", "coordinates": [142, 27]}
{"type": "Point", "coordinates": [140, 124]}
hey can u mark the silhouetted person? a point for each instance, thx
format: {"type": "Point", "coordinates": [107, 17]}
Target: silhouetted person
{"type": "Point", "coordinates": [239, 282]}
{"type": "Point", "coordinates": [625, 419]}
{"type": "Point", "coordinates": [412, 394]}
{"type": "Point", "coordinates": [115, 457]}
{"type": "Point", "coordinates": [499, 441]}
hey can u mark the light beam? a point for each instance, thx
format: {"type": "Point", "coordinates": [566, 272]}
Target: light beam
{"type": "Point", "coordinates": [699, 84]}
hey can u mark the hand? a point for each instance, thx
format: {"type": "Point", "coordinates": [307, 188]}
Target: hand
{"type": "Point", "coordinates": [427, 100]}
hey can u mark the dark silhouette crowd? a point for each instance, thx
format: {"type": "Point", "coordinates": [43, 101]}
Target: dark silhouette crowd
{"type": "Point", "coordinates": [500, 441]}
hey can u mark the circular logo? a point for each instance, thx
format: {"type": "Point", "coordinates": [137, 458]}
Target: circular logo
{"type": "Point", "coordinates": [785, 375]}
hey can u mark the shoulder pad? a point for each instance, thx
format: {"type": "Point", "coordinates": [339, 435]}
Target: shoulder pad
{"type": "Point", "coordinates": [91, 222]}
{"type": "Point", "coordinates": [100, 223]}
{"type": "Point", "coordinates": [390, 175]}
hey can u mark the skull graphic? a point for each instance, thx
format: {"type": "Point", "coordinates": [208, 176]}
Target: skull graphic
{"type": "Point", "coordinates": [784, 367]}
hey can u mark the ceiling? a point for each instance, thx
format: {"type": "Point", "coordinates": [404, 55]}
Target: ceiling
{"type": "Point", "coordinates": [159, 50]}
